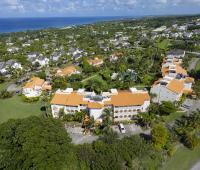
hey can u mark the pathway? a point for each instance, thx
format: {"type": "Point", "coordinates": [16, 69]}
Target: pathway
{"type": "Point", "coordinates": [196, 166]}
{"type": "Point", "coordinates": [193, 63]}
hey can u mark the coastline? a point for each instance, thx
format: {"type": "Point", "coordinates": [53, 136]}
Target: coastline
{"type": "Point", "coordinates": [14, 25]}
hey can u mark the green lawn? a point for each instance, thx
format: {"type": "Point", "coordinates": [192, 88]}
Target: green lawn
{"type": "Point", "coordinates": [164, 44]}
{"type": "Point", "coordinates": [173, 116]}
{"type": "Point", "coordinates": [183, 159]}
{"type": "Point", "coordinates": [15, 108]}
{"type": "Point", "coordinates": [197, 66]}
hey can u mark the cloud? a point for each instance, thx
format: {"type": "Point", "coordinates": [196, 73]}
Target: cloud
{"type": "Point", "coordinates": [84, 7]}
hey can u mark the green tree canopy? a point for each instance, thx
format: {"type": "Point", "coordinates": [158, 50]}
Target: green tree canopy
{"type": "Point", "coordinates": [159, 136]}
{"type": "Point", "coordinates": [34, 143]}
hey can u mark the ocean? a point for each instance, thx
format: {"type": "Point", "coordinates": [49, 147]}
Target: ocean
{"type": "Point", "coordinates": [8, 25]}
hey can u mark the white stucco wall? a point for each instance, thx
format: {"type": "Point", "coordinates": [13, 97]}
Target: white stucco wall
{"type": "Point", "coordinates": [96, 113]}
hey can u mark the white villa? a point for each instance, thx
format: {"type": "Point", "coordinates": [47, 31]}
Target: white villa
{"type": "Point", "coordinates": [67, 71]}
{"type": "Point", "coordinates": [175, 81]}
{"type": "Point", "coordinates": [124, 104]}
{"type": "Point", "coordinates": [96, 62]}
{"type": "Point", "coordinates": [34, 87]}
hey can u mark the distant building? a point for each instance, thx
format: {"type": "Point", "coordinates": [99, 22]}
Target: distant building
{"type": "Point", "coordinates": [95, 62]}
{"type": "Point", "coordinates": [35, 86]}
{"type": "Point", "coordinates": [67, 71]}
{"type": "Point", "coordinates": [175, 81]}
{"type": "Point", "coordinates": [116, 56]}
{"type": "Point", "coordinates": [160, 29]}
{"type": "Point", "coordinates": [124, 104]}
{"type": "Point", "coordinates": [176, 54]}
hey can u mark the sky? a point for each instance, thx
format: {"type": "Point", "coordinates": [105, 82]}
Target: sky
{"type": "Point", "coordinates": [82, 8]}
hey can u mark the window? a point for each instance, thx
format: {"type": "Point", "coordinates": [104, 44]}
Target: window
{"type": "Point", "coordinates": [116, 116]}
{"type": "Point", "coordinates": [129, 115]}
{"type": "Point", "coordinates": [125, 116]}
{"type": "Point", "coordinates": [120, 116]}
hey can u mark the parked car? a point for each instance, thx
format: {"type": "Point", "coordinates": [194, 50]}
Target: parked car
{"type": "Point", "coordinates": [122, 128]}
{"type": "Point", "coordinates": [186, 106]}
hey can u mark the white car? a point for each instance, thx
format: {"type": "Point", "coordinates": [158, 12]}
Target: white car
{"type": "Point", "coordinates": [122, 128]}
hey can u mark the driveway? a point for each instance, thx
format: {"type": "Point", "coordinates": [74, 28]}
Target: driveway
{"type": "Point", "coordinates": [13, 88]}
{"type": "Point", "coordinates": [76, 133]}
{"type": "Point", "coordinates": [131, 129]}
{"type": "Point", "coordinates": [192, 105]}
{"type": "Point", "coordinates": [196, 166]}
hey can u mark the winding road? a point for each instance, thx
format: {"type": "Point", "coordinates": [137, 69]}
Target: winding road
{"type": "Point", "coordinates": [193, 64]}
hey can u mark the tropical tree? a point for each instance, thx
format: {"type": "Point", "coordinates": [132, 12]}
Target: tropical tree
{"type": "Point", "coordinates": [107, 117]}
{"type": "Point", "coordinates": [34, 143]}
{"type": "Point", "coordinates": [159, 136]}
{"type": "Point", "coordinates": [166, 108]}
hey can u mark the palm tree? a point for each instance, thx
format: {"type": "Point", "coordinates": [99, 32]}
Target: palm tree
{"type": "Point", "coordinates": [107, 117]}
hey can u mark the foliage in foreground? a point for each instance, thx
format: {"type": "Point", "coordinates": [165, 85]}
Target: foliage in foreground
{"type": "Point", "coordinates": [33, 143]}
{"type": "Point", "coordinates": [43, 143]}
{"type": "Point", "coordinates": [188, 128]}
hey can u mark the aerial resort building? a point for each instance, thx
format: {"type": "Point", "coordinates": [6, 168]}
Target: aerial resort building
{"type": "Point", "coordinates": [124, 104]}
{"type": "Point", "coordinates": [175, 81]}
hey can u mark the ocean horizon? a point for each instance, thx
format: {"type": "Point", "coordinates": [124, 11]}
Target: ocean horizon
{"type": "Point", "coordinates": [9, 25]}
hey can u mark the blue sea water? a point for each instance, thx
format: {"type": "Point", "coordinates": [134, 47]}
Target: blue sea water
{"type": "Point", "coordinates": [23, 24]}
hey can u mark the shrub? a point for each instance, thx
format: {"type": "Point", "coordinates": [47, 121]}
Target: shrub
{"type": "Point", "coordinates": [4, 94]}
{"type": "Point", "coordinates": [30, 100]}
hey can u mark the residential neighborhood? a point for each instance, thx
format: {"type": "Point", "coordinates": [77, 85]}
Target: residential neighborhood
{"type": "Point", "coordinates": [121, 94]}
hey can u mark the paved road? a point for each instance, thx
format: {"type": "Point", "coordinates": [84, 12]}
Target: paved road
{"type": "Point", "coordinates": [193, 63]}
{"type": "Point", "coordinates": [76, 133]}
{"type": "Point", "coordinates": [192, 105]}
{"type": "Point", "coordinates": [196, 166]}
{"type": "Point", "coordinates": [195, 53]}
{"type": "Point", "coordinates": [131, 129]}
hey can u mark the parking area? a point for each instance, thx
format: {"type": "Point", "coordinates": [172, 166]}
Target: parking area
{"type": "Point", "coordinates": [14, 88]}
{"type": "Point", "coordinates": [191, 105]}
{"type": "Point", "coordinates": [131, 129]}
{"type": "Point", "coordinates": [76, 133]}
{"type": "Point", "coordinates": [78, 137]}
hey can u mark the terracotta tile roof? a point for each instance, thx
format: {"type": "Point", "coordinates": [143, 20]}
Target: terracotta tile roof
{"type": "Point", "coordinates": [180, 70]}
{"type": "Point", "coordinates": [176, 86]}
{"type": "Point", "coordinates": [189, 80]}
{"type": "Point", "coordinates": [46, 87]}
{"type": "Point", "coordinates": [187, 91]}
{"type": "Point", "coordinates": [95, 61]}
{"type": "Point", "coordinates": [126, 98]}
{"type": "Point", "coordinates": [95, 105]}
{"type": "Point", "coordinates": [59, 99]}
{"type": "Point", "coordinates": [72, 99]}
{"type": "Point", "coordinates": [34, 81]}
{"type": "Point", "coordinates": [67, 71]}
{"type": "Point", "coordinates": [165, 71]}
{"type": "Point", "coordinates": [117, 54]}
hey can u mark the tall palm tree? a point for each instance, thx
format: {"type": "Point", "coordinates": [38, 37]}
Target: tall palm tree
{"type": "Point", "coordinates": [107, 117]}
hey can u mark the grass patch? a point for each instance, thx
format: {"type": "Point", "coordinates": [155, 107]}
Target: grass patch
{"type": "Point", "coordinates": [14, 108]}
{"type": "Point", "coordinates": [197, 65]}
{"type": "Point", "coordinates": [183, 159]}
{"type": "Point", "coordinates": [164, 44]}
{"type": "Point", "coordinates": [173, 116]}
